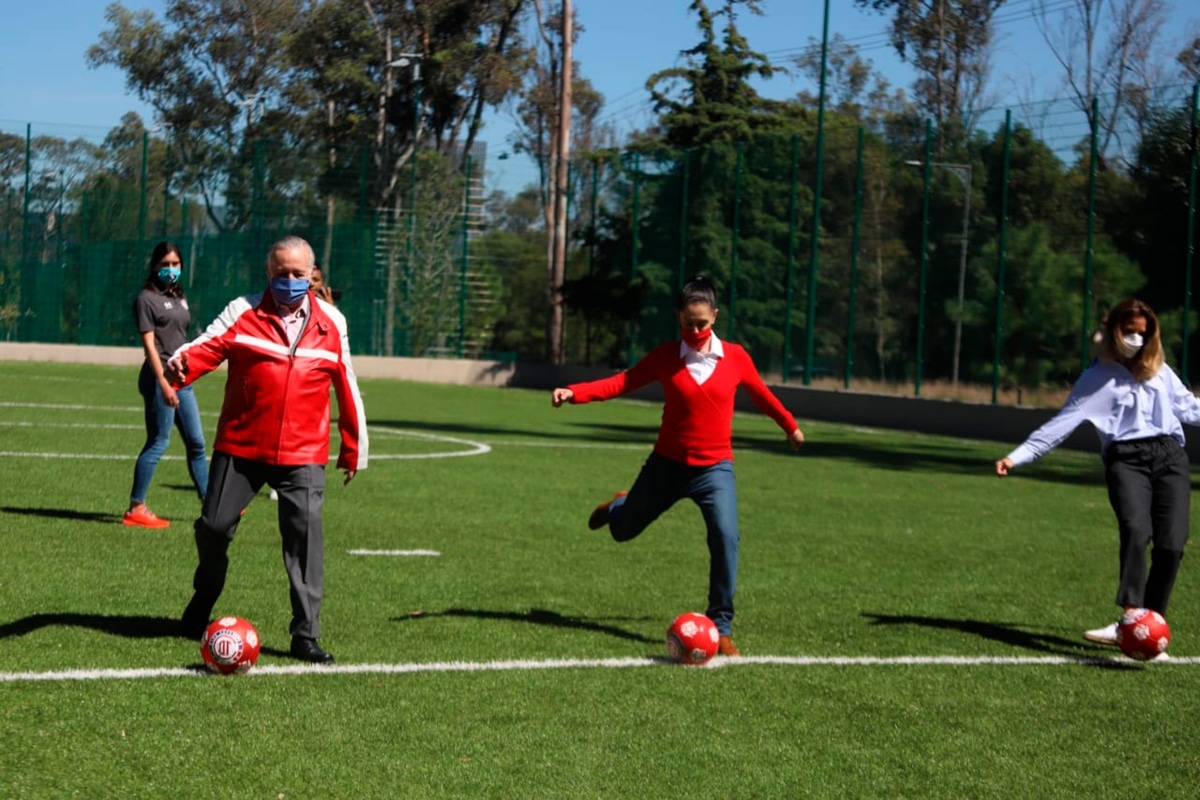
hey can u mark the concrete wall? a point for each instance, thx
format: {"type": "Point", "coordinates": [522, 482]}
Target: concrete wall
{"type": "Point", "coordinates": [1006, 425]}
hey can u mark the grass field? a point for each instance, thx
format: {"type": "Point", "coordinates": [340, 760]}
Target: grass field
{"type": "Point", "coordinates": [910, 624]}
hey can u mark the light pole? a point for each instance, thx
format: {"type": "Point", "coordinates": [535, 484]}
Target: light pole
{"type": "Point", "coordinates": [963, 173]}
{"type": "Point", "coordinates": [404, 60]}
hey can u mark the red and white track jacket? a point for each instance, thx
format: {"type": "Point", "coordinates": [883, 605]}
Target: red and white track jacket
{"type": "Point", "coordinates": [276, 407]}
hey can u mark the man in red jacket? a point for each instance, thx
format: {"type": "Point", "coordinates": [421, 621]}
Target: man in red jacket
{"type": "Point", "coordinates": [285, 347]}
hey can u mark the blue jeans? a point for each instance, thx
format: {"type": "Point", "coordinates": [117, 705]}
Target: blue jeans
{"type": "Point", "coordinates": [662, 483]}
{"type": "Point", "coordinates": [159, 418]}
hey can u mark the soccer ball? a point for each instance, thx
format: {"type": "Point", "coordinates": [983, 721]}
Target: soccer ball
{"type": "Point", "coordinates": [1142, 634]}
{"type": "Point", "coordinates": [692, 639]}
{"type": "Point", "coordinates": [230, 646]}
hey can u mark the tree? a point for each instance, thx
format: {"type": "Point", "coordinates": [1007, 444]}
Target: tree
{"type": "Point", "coordinates": [852, 84]}
{"type": "Point", "coordinates": [1106, 50]}
{"type": "Point", "coordinates": [710, 98]}
{"type": "Point", "coordinates": [1037, 186]}
{"type": "Point", "coordinates": [538, 132]}
{"type": "Point", "coordinates": [1043, 292]}
{"type": "Point", "coordinates": [1189, 58]}
{"type": "Point", "coordinates": [949, 43]}
{"type": "Point", "coordinates": [1150, 221]}
{"type": "Point", "coordinates": [471, 55]}
{"type": "Point", "coordinates": [210, 70]}
{"type": "Point", "coordinates": [333, 73]}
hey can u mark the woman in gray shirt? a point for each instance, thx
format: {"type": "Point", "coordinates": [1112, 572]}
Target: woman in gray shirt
{"type": "Point", "coordinates": [162, 317]}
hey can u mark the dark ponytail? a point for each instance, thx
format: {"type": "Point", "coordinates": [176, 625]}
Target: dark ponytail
{"type": "Point", "coordinates": [698, 289]}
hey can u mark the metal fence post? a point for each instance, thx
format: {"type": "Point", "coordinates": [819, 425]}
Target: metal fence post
{"type": "Point", "coordinates": [683, 220]}
{"type": "Point", "coordinates": [1085, 330]}
{"type": "Point", "coordinates": [811, 315]}
{"type": "Point", "coordinates": [633, 259]}
{"type": "Point", "coordinates": [733, 254]}
{"type": "Point", "coordinates": [854, 240]}
{"type": "Point", "coordinates": [142, 188]}
{"type": "Point", "coordinates": [466, 254]}
{"type": "Point", "coordinates": [928, 173]}
{"type": "Point", "coordinates": [789, 285]}
{"type": "Point", "coordinates": [1194, 132]}
{"type": "Point", "coordinates": [1001, 256]}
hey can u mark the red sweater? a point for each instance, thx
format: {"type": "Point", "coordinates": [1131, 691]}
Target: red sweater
{"type": "Point", "coordinates": [697, 420]}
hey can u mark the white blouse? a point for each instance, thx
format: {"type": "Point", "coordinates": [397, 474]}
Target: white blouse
{"type": "Point", "coordinates": [1120, 407]}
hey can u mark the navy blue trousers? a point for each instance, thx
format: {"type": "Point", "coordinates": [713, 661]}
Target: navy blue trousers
{"type": "Point", "coordinates": [662, 483]}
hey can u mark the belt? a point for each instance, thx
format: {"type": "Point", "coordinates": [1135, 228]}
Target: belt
{"type": "Point", "coordinates": [1131, 443]}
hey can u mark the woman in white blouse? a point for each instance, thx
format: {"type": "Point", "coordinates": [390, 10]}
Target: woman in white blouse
{"type": "Point", "coordinates": [1137, 404]}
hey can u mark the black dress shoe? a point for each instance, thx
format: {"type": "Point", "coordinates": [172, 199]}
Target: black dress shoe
{"type": "Point", "coordinates": [309, 650]}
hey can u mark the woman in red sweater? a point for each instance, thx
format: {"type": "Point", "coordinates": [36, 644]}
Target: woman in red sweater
{"type": "Point", "coordinates": [693, 456]}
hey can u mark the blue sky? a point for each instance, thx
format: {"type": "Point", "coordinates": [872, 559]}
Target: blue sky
{"type": "Point", "coordinates": [44, 79]}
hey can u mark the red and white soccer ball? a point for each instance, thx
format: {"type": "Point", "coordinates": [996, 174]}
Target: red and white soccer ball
{"type": "Point", "coordinates": [230, 646]}
{"type": "Point", "coordinates": [692, 639]}
{"type": "Point", "coordinates": [1142, 634]}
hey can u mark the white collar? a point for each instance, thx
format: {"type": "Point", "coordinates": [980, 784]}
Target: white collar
{"type": "Point", "coordinates": [716, 349]}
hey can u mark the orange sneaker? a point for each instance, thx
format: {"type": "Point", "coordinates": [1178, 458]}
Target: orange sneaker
{"type": "Point", "coordinates": [599, 517]}
{"type": "Point", "coordinates": [142, 517]}
{"type": "Point", "coordinates": [726, 647]}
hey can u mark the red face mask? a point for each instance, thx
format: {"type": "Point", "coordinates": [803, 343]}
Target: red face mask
{"type": "Point", "coordinates": [695, 339]}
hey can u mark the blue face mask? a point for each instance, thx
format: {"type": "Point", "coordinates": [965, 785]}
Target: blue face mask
{"type": "Point", "coordinates": [288, 291]}
{"type": "Point", "coordinates": [169, 275]}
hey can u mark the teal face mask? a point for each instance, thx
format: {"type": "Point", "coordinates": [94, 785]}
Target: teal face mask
{"type": "Point", "coordinates": [169, 275]}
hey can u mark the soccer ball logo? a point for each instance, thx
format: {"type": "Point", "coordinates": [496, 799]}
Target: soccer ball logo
{"type": "Point", "coordinates": [692, 639]}
{"type": "Point", "coordinates": [1142, 634]}
{"type": "Point", "coordinates": [230, 646]}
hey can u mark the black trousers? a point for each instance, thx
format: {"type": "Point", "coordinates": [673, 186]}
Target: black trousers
{"type": "Point", "coordinates": [1150, 490]}
{"type": "Point", "coordinates": [232, 484]}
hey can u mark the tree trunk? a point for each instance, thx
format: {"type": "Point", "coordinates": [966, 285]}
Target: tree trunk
{"type": "Point", "coordinates": [561, 168]}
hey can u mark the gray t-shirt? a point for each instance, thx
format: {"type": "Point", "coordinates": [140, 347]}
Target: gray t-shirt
{"type": "Point", "coordinates": [167, 316]}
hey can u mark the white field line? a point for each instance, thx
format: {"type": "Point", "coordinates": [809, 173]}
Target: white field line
{"type": "Point", "coordinates": [82, 456]}
{"type": "Point", "coordinates": [472, 447]}
{"type": "Point", "coordinates": [399, 553]}
{"type": "Point", "coordinates": [586, 663]}
{"type": "Point", "coordinates": [573, 445]}
{"type": "Point", "coordinates": [82, 407]}
{"type": "Point", "coordinates": [88, 425]}
{"type": "Point", "coordinates": [71, 407]}
{"type": "Point", "coordinates": [62, 379]}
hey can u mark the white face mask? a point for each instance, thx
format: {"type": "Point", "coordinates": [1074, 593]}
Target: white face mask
{"type": "Point", "coordinates": [1128, 344]}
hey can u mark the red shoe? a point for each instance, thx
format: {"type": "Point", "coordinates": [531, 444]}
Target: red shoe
{"type": "Point", "coordinates": [726, 647]}
{"type": "Point", "coordinates": [599, 517]}
{"type": "Point", "coordinates": [142, 517]}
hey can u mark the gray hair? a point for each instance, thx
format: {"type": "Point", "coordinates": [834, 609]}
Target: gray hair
{"type": "Point", "coordinates": [290, 243]}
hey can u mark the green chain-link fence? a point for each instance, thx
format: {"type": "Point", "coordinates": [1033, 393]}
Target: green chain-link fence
{"type": "Point", "coordinates": [989, 261]}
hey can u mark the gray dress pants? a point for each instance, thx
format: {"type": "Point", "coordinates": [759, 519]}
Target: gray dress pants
{"type": "Point", "coordinates": [232, 484]}
{"type": "Point", "coordinates": [1150, 489]}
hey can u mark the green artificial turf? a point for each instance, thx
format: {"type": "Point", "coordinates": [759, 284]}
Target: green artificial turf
{"type": "Point", "coordinates": [867, 543]}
